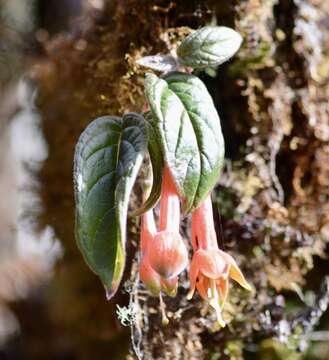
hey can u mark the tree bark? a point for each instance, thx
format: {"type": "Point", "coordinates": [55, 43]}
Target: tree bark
{"type": "Point", "coordinates": [272, 197]}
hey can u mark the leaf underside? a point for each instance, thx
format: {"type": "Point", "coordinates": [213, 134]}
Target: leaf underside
{"type": "Point", "coordinates": [107, 158]}
{"type": "Point", "coordinates": [189, 130]}
{"type": "Point", "coordinates": [209, 46]}
{"type": "Point", "coordinates": [163, 63]}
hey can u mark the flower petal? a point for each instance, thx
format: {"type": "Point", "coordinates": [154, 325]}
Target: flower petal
{"type": "Point", "coordinates": [211, 263]}
{"type": "Point", "coordinates": [169, 286]}
{"type": "Point", "coordinates": [194, 272]}
{"type": "Point", "coordinates": [235, 272]}
{"type": "Point", "coordinates": [149, 277]}
{"type": "Point", "coordinates": [203, 287]}
{"type": "Point", "coordinates": [223, 286]}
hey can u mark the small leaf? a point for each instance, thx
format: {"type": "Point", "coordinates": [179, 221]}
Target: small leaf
{"type": "Point", "coordinates": [107, 158]}
{"type": "Point", "coordinates": [156, 157]}
{"type": "Point", "coordinates": [163, 63]}
{"type": "Point", "coordinates": [209, 46]}
{"type": "Point", "coordinates": [189, 130]}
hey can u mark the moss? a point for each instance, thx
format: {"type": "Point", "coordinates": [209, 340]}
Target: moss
{"type": "Point", "coordinates": [273, 197]}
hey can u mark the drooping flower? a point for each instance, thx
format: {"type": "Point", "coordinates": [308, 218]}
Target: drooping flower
{"type": "Point", "coordinates": [168, 254]}
{"type": "Point", "coordinates": [211, 267]}
{"type": "Point", "coordinates": [164, 254]}
{"type": "Point", "coordinates": [148, 276]}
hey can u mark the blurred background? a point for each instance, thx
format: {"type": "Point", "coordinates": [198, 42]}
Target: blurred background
{"type": "Point", "coordinates": [65, 62]}
{"type": "Point", "coordinates": [44, 298]}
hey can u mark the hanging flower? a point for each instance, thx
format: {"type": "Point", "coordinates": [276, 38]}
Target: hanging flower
{"type": "Point", "coordinates": [211, 267]}
{"type": "Point", "coordinates": [164, 254]}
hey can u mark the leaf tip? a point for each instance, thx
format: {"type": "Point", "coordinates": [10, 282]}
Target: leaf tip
{"type": "Point", "coordinates": [109, 293]}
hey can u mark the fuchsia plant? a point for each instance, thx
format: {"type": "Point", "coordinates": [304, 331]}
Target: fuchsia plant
{"type": "Point", "coordinates": [180, 129]}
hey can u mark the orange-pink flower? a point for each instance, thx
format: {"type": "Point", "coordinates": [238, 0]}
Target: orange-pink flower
{"type": "Point", "coordinates": [168, 254]}
{"type": "Point", "coordinates": [211, 267]}
{"type": "Point", "coordinates": [164, 254]}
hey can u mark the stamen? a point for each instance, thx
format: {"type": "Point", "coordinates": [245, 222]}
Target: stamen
{"type": "Point", "coordinates": [190, 294]}
{"type": "Point", "coordinates": [214, 289]}
{"type": "Point", "coordinates": [214, 302]}
{"type": "Point", "coordinates": [165, 320]}
{"type": "Point", "coordinates": [209, 293]}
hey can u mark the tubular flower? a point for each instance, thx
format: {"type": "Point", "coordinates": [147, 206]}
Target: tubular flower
{"type": "Point", "coordinates": [211, 267]}
{"type": "Point", "coordinates": [148, 276]}
{"type": "Point", "coordinates": [164, 254]}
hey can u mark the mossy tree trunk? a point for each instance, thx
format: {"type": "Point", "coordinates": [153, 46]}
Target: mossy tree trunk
{"type": "Point", "coordinates": [273, 196]}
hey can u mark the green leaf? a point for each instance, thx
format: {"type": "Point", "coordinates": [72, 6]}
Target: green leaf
{"type": "Point", "coordinates": [156, 157]}
{"type": "Point", "coordinates": [189, 130]}
{"type": "Point", "coordinates": [163, 63]}
{"type": "Point", "coordinates": [107, 158]}
{"type": "Point", "coordinates": [209, 46]}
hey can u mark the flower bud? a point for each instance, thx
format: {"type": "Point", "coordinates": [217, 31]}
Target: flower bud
{"type": "Point", "coordinates": [168, 254]}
